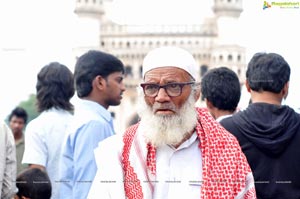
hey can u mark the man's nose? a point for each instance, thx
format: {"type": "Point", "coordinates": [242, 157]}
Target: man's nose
{"type": "Point", "coordinates": [123, 88]}
{"type": "Point", "coordinates": [162, 95]}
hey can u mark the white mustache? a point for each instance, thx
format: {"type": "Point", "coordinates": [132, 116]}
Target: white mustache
{"type": "Point", "coordinates": [169, 106]}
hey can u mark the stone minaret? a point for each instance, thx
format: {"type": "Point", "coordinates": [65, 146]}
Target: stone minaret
{"type": "Point", "coordinates": [229, 51]}
{"type": "Point", "coordinates": [90, 16]}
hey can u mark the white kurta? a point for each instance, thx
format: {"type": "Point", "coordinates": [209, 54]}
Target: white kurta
{"type": "Point", "coordinates": [108, 182]}
{"type": "Point", "coordinates": [179, 171]}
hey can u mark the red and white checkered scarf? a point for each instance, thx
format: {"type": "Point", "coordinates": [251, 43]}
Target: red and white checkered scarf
{"type": "Point", "coordinates": [226, 173]}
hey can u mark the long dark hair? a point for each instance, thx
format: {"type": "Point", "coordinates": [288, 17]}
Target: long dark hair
{"type": "Point", "coordinates": [55, 87]}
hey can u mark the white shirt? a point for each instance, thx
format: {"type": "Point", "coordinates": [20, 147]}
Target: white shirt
{"type": "Point", "coordinates": [183, 164]}
{"type": "Point", "coordinates": [179, 171]}
{"type": "Point", "coordinates": [44, 137]}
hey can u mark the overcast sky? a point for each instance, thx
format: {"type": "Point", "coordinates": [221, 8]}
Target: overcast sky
{"type": "Point", "coordinates": [34, 33]}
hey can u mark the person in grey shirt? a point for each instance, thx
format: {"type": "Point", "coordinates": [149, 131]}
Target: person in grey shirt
{"type": "Point", "coordinates": [17, 122]}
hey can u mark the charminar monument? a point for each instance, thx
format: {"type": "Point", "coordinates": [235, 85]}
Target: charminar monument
{"type": "Point", "coordinates": [213, 43]}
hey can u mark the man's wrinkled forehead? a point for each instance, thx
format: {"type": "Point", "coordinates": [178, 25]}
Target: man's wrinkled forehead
{"type": "Point", "coordinates": [170, 56]}
{"type": "Point", "coordinates": [168, 73]}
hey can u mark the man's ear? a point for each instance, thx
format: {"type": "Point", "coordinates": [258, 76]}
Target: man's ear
{"type": "Point", "coordinates": [209, 105]}
{"type": "Point", "coordinates": [247, 86]}
{"type": "Point", "coordinates": [285, 90]}
{"type": "Point", "coordinates": [99, 82]}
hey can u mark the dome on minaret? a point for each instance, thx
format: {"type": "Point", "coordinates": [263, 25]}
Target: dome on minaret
{"type": "Point", "coordinates": [229, 8]}
{"type": "Point", "coordinates": [91, 8]}
{"type": "Point", "coordinates": [227, 13]}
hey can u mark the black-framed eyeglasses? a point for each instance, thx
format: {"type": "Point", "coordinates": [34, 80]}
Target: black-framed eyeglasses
{"type": "Point", "coordinates": [172, 89]}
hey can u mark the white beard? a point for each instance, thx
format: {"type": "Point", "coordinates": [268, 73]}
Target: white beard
{"type": "Point", "coordinates": [167, 129]}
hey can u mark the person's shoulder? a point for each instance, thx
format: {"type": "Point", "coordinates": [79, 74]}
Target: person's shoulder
{"type": "Point", "coordinates": [112, 141]}
{"type": "Point", "coordinates": [37, 125]}
{"type": "Point", "coordinates": [58, 113]}
{"type": "Point", "coordinates": [230, 121]}
{"type": "Point", "coordinates": [4, 129]}
{"type": "Point", "coordinates": [51, 117]}
{"type": "Point", "coordinates": [231, 125]}
{"type": "Point", "coordinates": [111, 146]}
{"type": "Point", "coordinates": [118, 139]}
{"type": "Point", "coordinates": [90, 121]}
{"type": "Point", "coordinates": [90, 117]}
{"type": "Point", "coordinates": [295, 111]}
{"type": "Point", "coordinates": [227, 121]}
{"type": "Point", "coordinates": [6, 134]}
{"type": "Point", "coordinates": [3, 125]}
{"type": "Point", "coordinates": [38, 121]}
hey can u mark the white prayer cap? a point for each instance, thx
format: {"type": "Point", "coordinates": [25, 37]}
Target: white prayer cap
{"type": "Point", "coordinates": [170, 56]}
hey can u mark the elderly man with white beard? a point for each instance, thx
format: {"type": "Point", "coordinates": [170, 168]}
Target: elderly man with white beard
{"type": "Point", "coordinates": [176, 150]}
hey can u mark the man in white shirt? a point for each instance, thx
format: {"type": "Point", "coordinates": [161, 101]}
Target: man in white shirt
{"type": "Point", "coordinates": [176, 150]}
{"type": "Point", "coordinates": [45, 134]}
